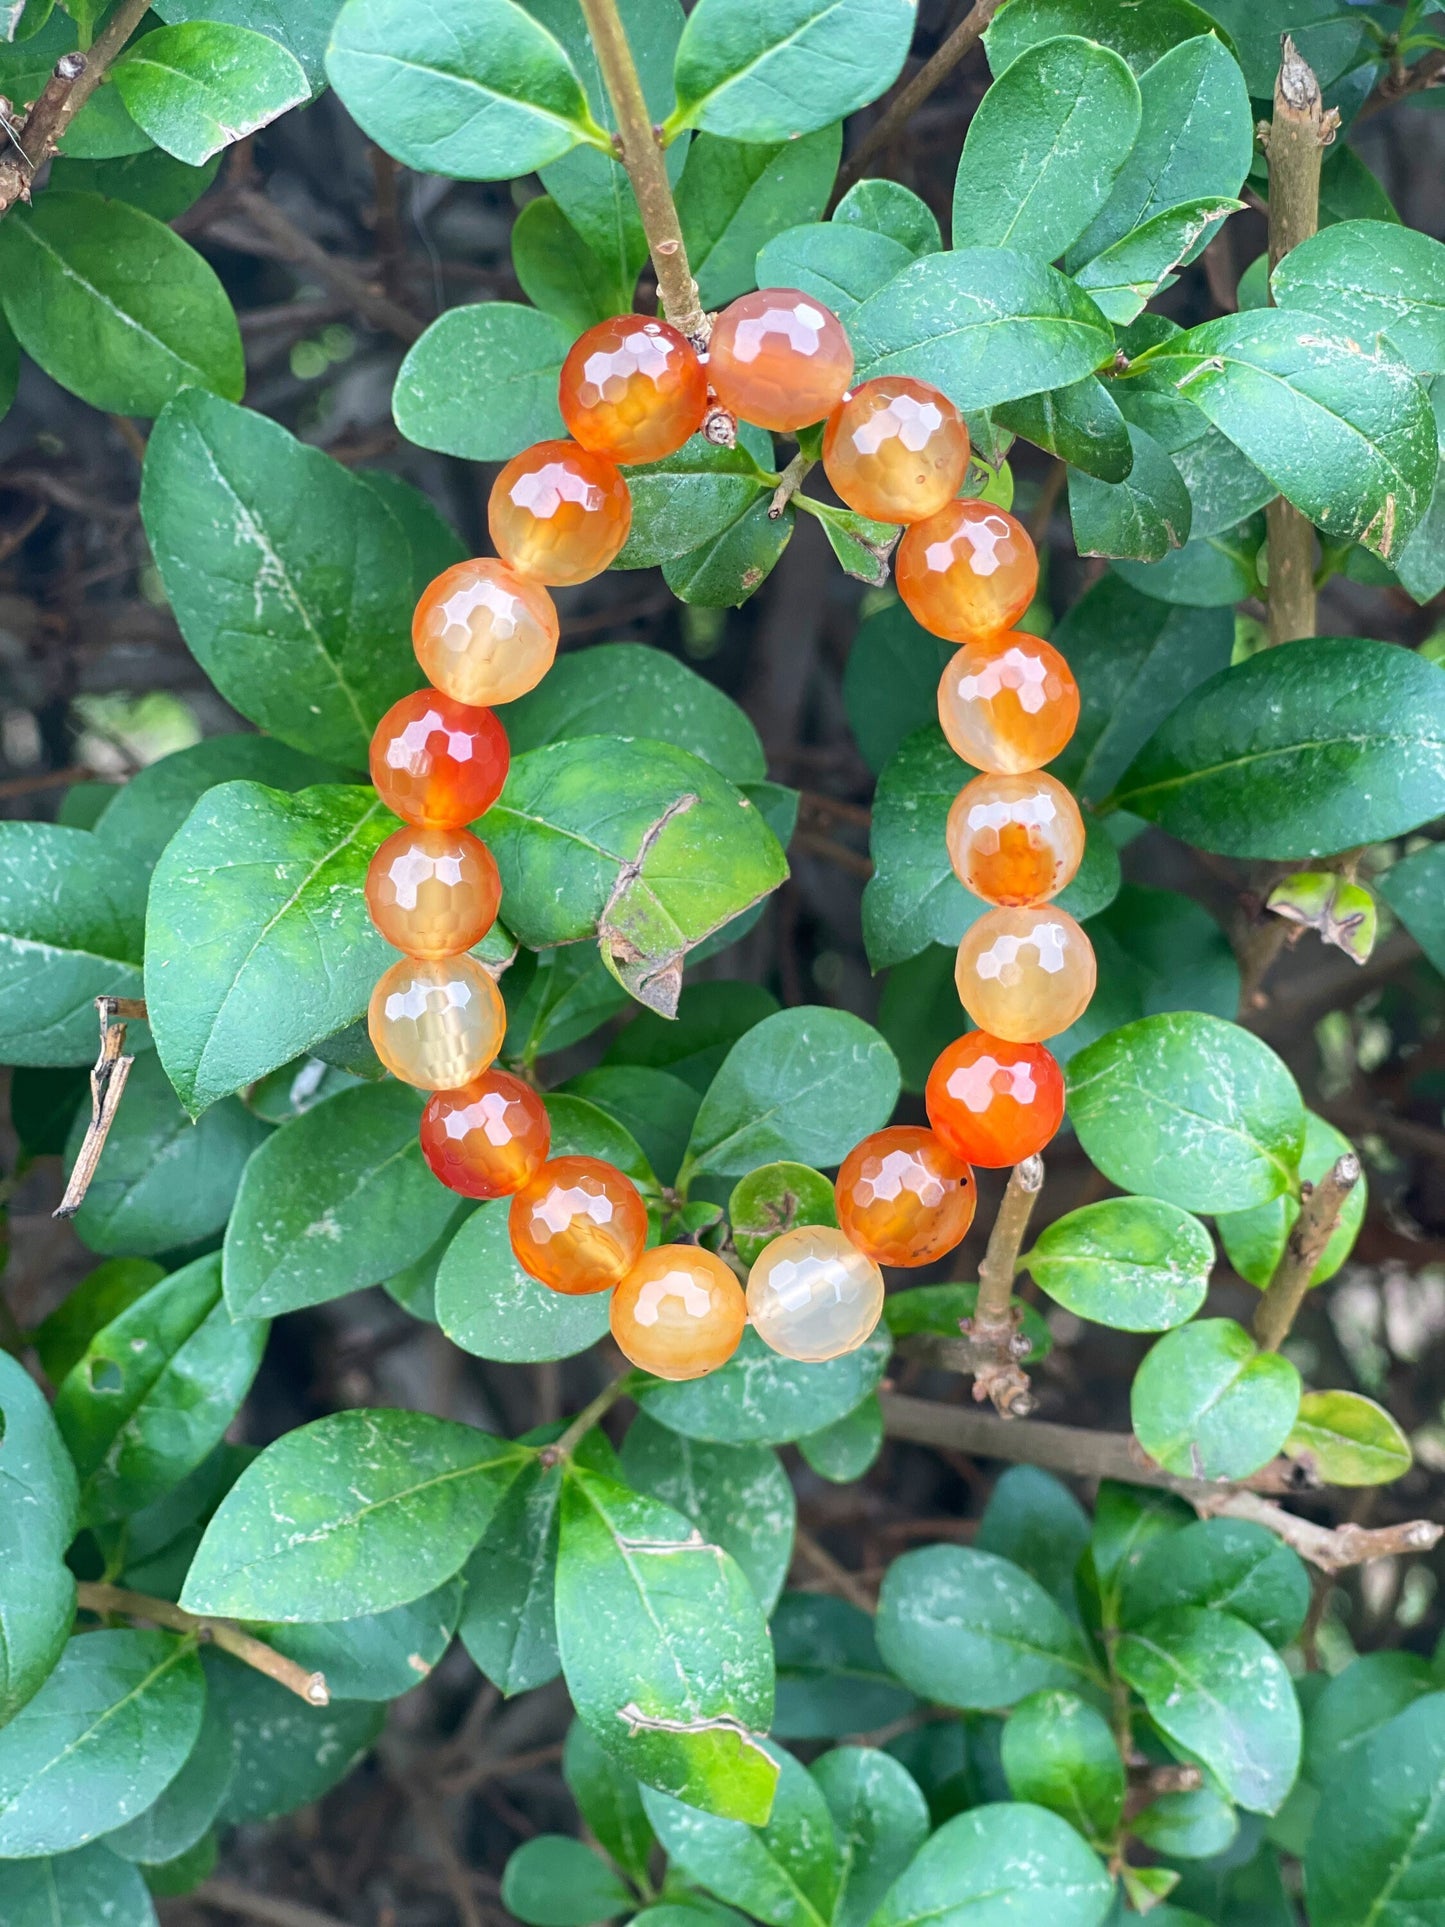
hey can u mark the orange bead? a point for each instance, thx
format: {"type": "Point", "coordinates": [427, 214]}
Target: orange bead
{"type": "Point", "coordinates": [992, 1102]}
{"type": "Point", "coordinates": [1025, 974]}
{"type": "Point", "coordinates": [578, 1225]}
{"type": "Point", "coordinates": [436, 1024]}
{"type": "Point", "coordinates": [967, 573]}
{"type": "Point", "coordinates": [433, 893]}
{"type": "Point", "coordinates": [1008, 705]}
{"type": "Point", "coordinates": [1015, 839]}
{"type": "Point", "coordinates": [487, 1139]}
{"type": "Point", "coordinates": [679, 1312]}
{"type": "Point", "coordinates": [903, 1197]}
{"type": "Point", "coordinates": [438, 762]}
{"type": "Point", "coordinates": [484, 634]}
{"type": "Point", "coordinates": [632, 389]}
{"type": "Point", "coordinates": [813, 1295]}
{"type": "Point", "coordinates": [895, 449]}
{"type": "Point", "coordinates": [559, 513]}
{"type": "Point", "coordinates": [779, 358]}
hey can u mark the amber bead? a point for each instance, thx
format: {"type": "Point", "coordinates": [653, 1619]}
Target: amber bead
{"type": "Point", "coordinates": [903, 1197]}
{"type": "Point", "coordinates": [993, 1102]}
{"type": "Point", "coordinates": [1025, 974]}
{"type": "Point", "coordinates": [779, 358]}
{"type": "Point", "coordinates": [1015, 839]}
{"type": "Point", "coordinates": [1008, 705]}
{"type": "Point", "coordinates": [436, 1024]}
{"type": "Point", "coordinates": [433, 893]}
{"type": "Point", "coordinates": [484, 634]}
{"type": "Point", "coordinates": [488, 1138]}
{"type": "Point", "coordinates": [813, 1295]}
{"type": "Point", "coordinates": [967, 573]}
{"type": "Point", "coordinates": [438, 762]}
{"type": "Point", "coordinates": [632, 389]}
{"type": "Point", "coordinates": [559, 513]}
{"type": "Point", "coordinates": [895, 449]}
{"type": "Point", "coordinates": [578, 1225]}
{"type": "Point", "coordinates": [679, 1312]}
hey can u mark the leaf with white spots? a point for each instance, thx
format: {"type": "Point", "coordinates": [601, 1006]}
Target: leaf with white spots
{"type": "Point", "coordinates": [997, 1865]}
{"type": "Point", "coordinates": [1208, 1404]}
{"type": "Point", "coordinates": [1138, 1264]}
{"type": "Point", "coordinates": [761, 1398]}
{"type": "Point", "coordinates": [39, 1510]}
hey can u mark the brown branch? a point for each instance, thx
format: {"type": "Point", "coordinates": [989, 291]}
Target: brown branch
{"type": "Point", "coordinates": [843, 1582]}
{"type": "Point", "coordinates": [790, 481]}
{"type": "Point", "coordinates": [232, 1898]}
{"type": "Point", "coordinates": [993, 1335]}
{"type": "Point", "coordinates": [107, 1087]}
{"type": "Point", "coordinates": [33, 140]}
{"type": "Point", "coordinates": [1314, 1227]}
{"type": "Point", "coordinates": [1428, 71]}
{"type": "Point", "coordinates": [99, 1598]}
{"type": "Point", "coordinates": [291, 244]}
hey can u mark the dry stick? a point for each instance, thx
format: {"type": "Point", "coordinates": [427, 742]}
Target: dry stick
{"type": "Point", "coordinates": [1428, 71]}
{"type": "Point", "coordinates": [1320, 1210]}
{"type": "Point", "coordinates": [107, 1087]}
{"type": "Point", "coordinates": [586, 1419]}
{"type": "Point", "coordinates": [33, 141]}
{"type": "Point", "coordinates": [843, 1582]}
{"type": "Point", "coordinates": [993, 1334]}
{"type": "Point", "coordinates": [378, 310]}
{"type": "Point", "coordinates": [232, 1898]}
{"type": "Point", "coordinates": [255, 1653]}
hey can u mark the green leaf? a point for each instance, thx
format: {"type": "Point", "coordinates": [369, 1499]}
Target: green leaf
{"type": "Point", "coordinates": [889, 208]}
{"type": "Point", "coordinates": [774, 1198]}
{"type": "Point", "coordinates": [482, 381]}
{"type": "Point", "coordinates": [654, 1106]}
{"type": "Point", "coordinates": [1355, 1704]}
{"type": "Point", "coordinates": [968, 1629]}
{"type": "Point", "coordinates": [937, 1309]}
{"type": "Point", "coordinates": [1415, 891]}
{"type": "Point", "coordinates": [1254, 1241]}
{"type": "Point", "coordinates": [1420, 565]}
{"type": "Point", "coordinates": [564, 998]}
{"type": "Point", "coordinates": [664, 1649]}
{"type": "Point", "coordinates": [1137, 1264]}
{"type": "Point", "coordinates": [290, 578]}
{"type": "Point", "coordinates": [710, 1019]}
{"type": "Point", "coordinates": [1141, 35]}
{"type": "Point", "coordinates": [382, 1655]}
{"type": "Point", "coordinates": [1035, 1522]}
{"type": "Point", "coordinates": [840, 265]}
{"type": "Point", "coordinates": [784, 72]}
{"type": "Point", "coordinates": [735, 195]}
{"type": "Point", "coordinates": [196, 88]}
{"type": "Point", "coordinates": [114, 306]}
{"type": "Point", "coordinates": [554, 1881]}
{"type": "Point", "coordinates": [350, 1515]}
{"type": "Point", "coordinates": [39, 1512]}
{"type": "Point", "coordinates": [9, 365]}
{"type": "Point", "coordinates": [72, 926]}
{"type": "Point", "coordinates": [107, 1731]}
{"type": "Point", "coordinates": [1212, 572]}
{"type": "Point", "coordinates": [100, 1296]}
{"type": "Point", "coordinates": [1044, 147]}
{"type": "Point", "coordinates": [1326, 37]}
{"type": "Point", "coordinates": [846, 1449]}
{"type": "Point", "coordinates": [831, 1680]}
{"type": "Point", "coordinates": [761, 1398]}
{"type": "Point", "coordinates": [609, 1802]}
{"type": "Point", "coordinates": [998, 1864]}
{"type": "Point", "coordinates": [1187, 1826]}
{"type": "Point", "coordinates": [880, 1818]}
{"type": "Point", "coordinates": [1298, 752]}
{"type": "Point", "coordinates": [985, 325]}
{"type": "Point", "coordinates": [723, 571]}
{"type": "Point", "coordinates": [559, 273]}
{"type": "Point", "coordinates": [1346, 1439]}
{"type": "Point", "coordinates": [155, 1390]}
{"type": "Point", "coordinates": [1207, 1404]}
{"type": "Point", "coordinates": [890, 683]}
{"type": "Point", "coordinates": [1188, 1108]}
{"type": "Point", "coordinates": [300, 26]}
{"type": "Point", "coordinates": [1374, 278]}
{"type": "Point", "coordinates": [183, 1814]}
{"type": "Point", "coordinates": [1223, 1565]}
{"type": "Point", "coordinates": [1218, 1690]}
{"type": "Point", "coordinates": [1127, 1520]}
{"type": "Point", "coordinates": [75, 1890]}
{"type": "Point", "coordinates": [1059, 1753]}
{"type": "Point", "coordinates": [287, 1753]}
{"type": "Point", "coordinates": [489, 1306]}
{"type": "Point", "coordinates": [1081, 423]}
{"type": "Point", "coordinates": [1133, 271]}
{"type": "Point", "coordinates": [680, 504]}
{"type": "Point", "coordinates": [507, 1623]}
{"type": "Point", "coordinates": [1142, 517]}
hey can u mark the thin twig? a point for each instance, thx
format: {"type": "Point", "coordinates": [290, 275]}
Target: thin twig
{"type": "Point", "coordinates": [586, 1419]}
{"type": "Point", "coordinates": [1320, 1210]}
{"type": "Point", "coordinates": [107, 1087]}
{"type": "Point", "coordinates": [1428, 71]}
{"type": "Point", "coordinates": [232, 1898]}
{"type": "Point", "coordinates": [789, 483]}
{"type": "Point", "coordinates": [252, 1652]}
{"type": "Point", "coordinates": [993, 1332]}
{"type": "Point", "coordinates": [293, 245]}
{"type": "Point", "coordinates": [76, 76]}
{"type": "Point", "coordinates": [839, 1578]}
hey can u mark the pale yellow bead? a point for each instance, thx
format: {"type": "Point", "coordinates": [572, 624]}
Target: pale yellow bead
{"type": "Point", "coordinates": [436, 1024]}
{"type": "Point", "coordinates": [812, 1295]}
{"type": "Point", "coordinates": [1025, 975]}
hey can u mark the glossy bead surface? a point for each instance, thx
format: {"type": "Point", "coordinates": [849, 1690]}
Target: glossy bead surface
{"type": "Point", "coordinates": [433, 893]}
{"type": "Point", "coordinates": [484, 634]}
{"type": "Point", "coordinates": [903, 1197]}
{"type": "Point", "coordinates": [436, 1024]}
{"type": "Point", "coordinates": [578, 1225]}
{"type": "Point", "coordinates": [559, 513]}
{"type": "Point", "coordinates": [487, 1139]}
{"type": "Point", "coordinates": [813, 1295]}
{"type": "Point", "coordinates": [438, 762]}
{"type": "Point", "coordinates": [1025, 974]}
{"type": "Point", "coordinates": [779, 358]}
{"type": "Point", "coordinates": [967, 573]}
{"type": "Point", "coordinates": [679, 1312]}
{"type": "Point", "coordinates": [992, 1102]}
{"type": "Point", "coordinates": [632, 389]}
{"type": "Point", "coordinates": [1009, 705]}
{"type": "Point", "coordinates": [895, 449]}
{"type": "Point", "coordinates": [1015, 839]}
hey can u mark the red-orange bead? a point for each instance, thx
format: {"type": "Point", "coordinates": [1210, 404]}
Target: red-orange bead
{"type": "Point", "coordinates": [993, 1102]}
{"type": "Point", "coordinates": [903, 1197]}
{"type": "Point", "coordinates": [895, 449]}
{"type": "Point", "coordinates": [1015, 839]}
{"type": "Point", "coordinates": [1008, 705]}
{"type": "Point", "coordinates": [559, 513]}
{"type": "Point", "coordinates": [779, 358]}
{"type": "Point", "coordinates": [578, 1225]}
{"type": "Point", "coordinates": [484, 634]}
{"type": "Point", "coordinates": [967, 573]}
{"type": "Point", "coordinates": [632, 389]}
{"type": "Point", "coordinates": [679, 1313]}
{"type": "Point", "coordinates": [1025, 974]}
{"type": "Point", "coordinates": [433, 893]}
{"type": "Point", "coordinates": [487, 1139]}
{"type": "Point", "coordinates": [438, 762]}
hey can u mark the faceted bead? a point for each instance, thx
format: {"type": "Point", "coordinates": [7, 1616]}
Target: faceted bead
{"type": "Point", "coordinates": [1025, 974]}
{"type": "Point", "coordinates": [436, 1024]}
{"type": "Point", "coordinates": [967, 573]}
{"type": "Point", "coordinates": [632, 389]}
{"type": "Point", "coordinates": [679, 1313]}
{"type": "Point", "coordinates": [578, 1225]}
{"type": "Point", "coordinates": [1015, 839]}
{"type": "Point", "coordinates": [779, 358]}
{"type": "Point", "coordinates": [433, 893]}
{"type": "Point", "coordinates": [438, 762]}
{"type": "Point", "coordinates": [992, 1102]}
{"type": "Point", "coordinates": [903, 1197]}
{"type": "Point", "coordinates": [895, 449]}
{"type": "Point", "coordinates": [1008, 705]}
{"type": "Point", "coordinates": [813, 1295]}
{"type": "Point", "coordinates": [559, 513]}
{"type": "Point", "coordinates": [488, 1138]}
{"type": "Point", "coordinates": [484, 634]}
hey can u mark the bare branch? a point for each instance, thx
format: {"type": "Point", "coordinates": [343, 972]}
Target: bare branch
{"type": "Point", "coordinates": [252, 1652]}
{"type": "Point", "coordinates": [107, 1087]}
{"type": "Point", "coordinates": [34, 140]}
{"type": "Point", "coordinates": [1320, 1210]}
{"type": "Point", "coordinates": [994, 1340]}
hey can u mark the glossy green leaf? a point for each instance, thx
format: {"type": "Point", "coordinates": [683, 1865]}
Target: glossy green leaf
{"type": "Point", "coordinates": [1350, 1708]}
{"type": "Point", "coordinates": [880, 1819]}
{"type": "Point", "coordinates": [735, 195]}
{"type": "Point", "coordinates": [680, 504]}
{"type": "Point", "coordinates": [998, 1864]}
{"type": "Point", "coordinates": [849, 1447]}
{"type": "Point", "coordinates": [39, 1512]}
{"type": "Point", "coordinates": [197, 87]}
{"type": "Point", "coordinates": [1058, 1752]}
{"type": "Point", "coordinates": [1415, 890]}
{"type": "Point", "coordinates": [507, 1622]}
{"type": "Point", "coordinates": [1212, 572]}
{"type": "Point", "coordinates": [559, 273]}
{"type": "Point", "coordinates": [1034, 1521]}
{"type": "Point", "coordinates": [1134, 270]}
{"type": "Point", "coordinates": [774, 1198]}
{"type": "Point", "coordinates": [566, 997]}
{"type": "Point", "coordinates": [554, 1881]}
{"type": "Point", "coordinates": [837, 264]}
{"type": "Point", "coordinates": [1254, 1241]}
{"type": "Point", "coordinates": [724, 570]}
{"type": "Point", "coordinates": [1374, 1850]}
{"type": "Point", "coordinates": [101, 1295]}
{"type": "Point", "coordinates": [382, 1655]}
{"type": "Point", "coordinates": [482, 381]}
{"type": "Point", "coordinates": [610, 1802]}
{"type": "Point", "coordinates": [300, 26]}
{"type": "Point", "coordinates": [657, 1108]}
{"type": "Point", "coordinates": [492, 1308]}
{"type": "Point", "coordinates": [1207, 1404]}
{"type": "Point", "coordinates": [1143, 517]}
{"type": "Point", "coordinates": [1081, 424]}
{"type": "Point", "coordinates": [1347, 1439]}
{"type": "Point", "coordinates": [1194, 1825]}
{"type": "Point", "coordinates": [1327, 37]}
{"type": "Point", "coordinates": [1137, 1264]}
{"type": "Point", "coordinates": [889, 208]}
{"type": "Point", "coordinates": [890, 683]}
{"type": "Point", "coordinates": [75, 1890]}
{"type": "Point", "coordinates": [1420, 565]}
{"type": "Point", "coordinates": [1373, 277]}
{"type": "Point", "coordinates": [183, 1814]}
{"type": "Point", "coordinates": [711, 1017]}
{"type": "Point", "coordinates": [1223, 1565]}
{"type": "Point", "coordinates": [761, 1398]}
{"type": "Point", "coordinates": [1141, 35]}
{"type": "Point", "coordinates": [831, 1681]}
{"type": "Point", "coordinates": [287, 1753]}
{"type": "Point", "coordinates": [1127, 1520]}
